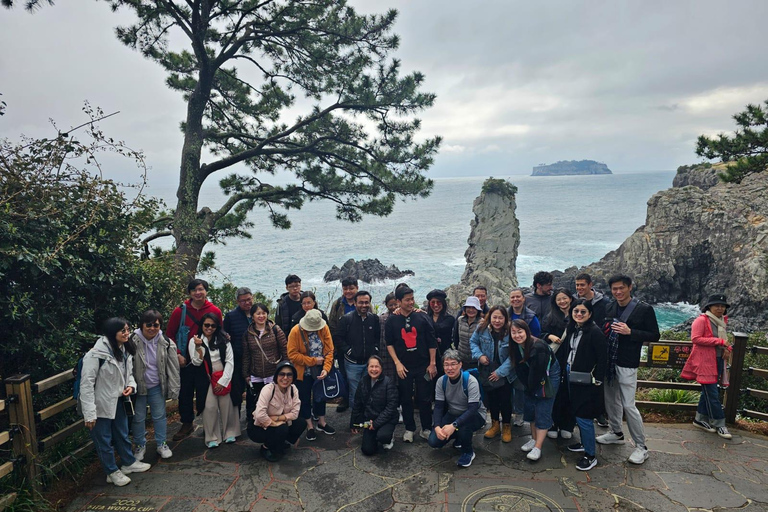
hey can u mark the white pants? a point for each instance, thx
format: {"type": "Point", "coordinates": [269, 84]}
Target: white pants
{"type": "Point", "coordinates": [620, 398]}
{"type": "Point", "coordinates": [212, 421]}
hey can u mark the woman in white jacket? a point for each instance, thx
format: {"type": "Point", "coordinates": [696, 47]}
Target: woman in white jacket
{"type": "Point", "coordinates": [212, 349]}
{"type": "Point", "coordinates": [106, 382]}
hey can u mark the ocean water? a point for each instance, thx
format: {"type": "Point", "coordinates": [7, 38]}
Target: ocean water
{"type": "Point", "coordinates": [564, 221]}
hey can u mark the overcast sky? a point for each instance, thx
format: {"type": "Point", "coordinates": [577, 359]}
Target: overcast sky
{"type": "Point", "coordinates": [631, 84]}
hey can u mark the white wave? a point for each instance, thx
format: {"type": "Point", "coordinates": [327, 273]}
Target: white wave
{"type": "Point", "coordinates": [683, 307]}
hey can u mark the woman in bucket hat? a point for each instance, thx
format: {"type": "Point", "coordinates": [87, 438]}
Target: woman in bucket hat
{"type": "Point", "coordinates": [706, 363]}
{"type": "Point", "coordinates": [310, 349]}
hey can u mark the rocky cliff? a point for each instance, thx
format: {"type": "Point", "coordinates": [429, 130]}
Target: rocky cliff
{"type": "Point", "coordinates": [493, 242]}
{"type": "Point", "coordinates": [698, 241]}
{"type": "Point", "coordinates": [365, 270]}
{"type": "Point", "coordinates": [570, 168]}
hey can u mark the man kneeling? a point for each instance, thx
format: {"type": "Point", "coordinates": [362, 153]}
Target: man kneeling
{"type": "Point", "coordinates": [459, 410]}
{"type": "Point", "coordinates": [275, 419]}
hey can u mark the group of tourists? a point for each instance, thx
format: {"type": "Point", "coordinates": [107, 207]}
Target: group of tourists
{"type": "Point", "coordinates": [552, 358]}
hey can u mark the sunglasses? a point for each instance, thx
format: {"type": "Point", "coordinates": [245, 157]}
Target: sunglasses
{"type": "Point", "coordinates": [209, 326]}
{"type": "Point", "coordinates": [285, 374]}
{"type": "Point", "coordinates": [580, 312]}
{"type": "Point", "coordinates": [149, 325]}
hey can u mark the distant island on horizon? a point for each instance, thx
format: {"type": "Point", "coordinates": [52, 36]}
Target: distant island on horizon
{"type": "Point", "coordinates": [571, 168]}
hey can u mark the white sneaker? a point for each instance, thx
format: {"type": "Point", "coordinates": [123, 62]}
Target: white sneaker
{"type": "Point", "coordinates": [408, 436]}
{"type": "Point", "coordinates": [638, 456]}
{"type": "Point", "coordinates": [723, 432]}
{"type": "Point", "coordinates": [552, 434]}
{"type": "Point", "coordinates": [518, 420]}
{"type": "Point", "coordinates": [534, 454]}
{"type": "Point", "coordinates": [530, 445]}
{"type": "Point", "coordinates": [611, 438]}
{"type": "Point", "coordinates": [565, 434]}
{"type": "Point", "coordinates": [118, 478]}
{"type": "Point", "coordinates": [424, 434]}
{"type": "Point", "coordinates": [139, 452]}
{"type": "Point", "coordinates": [136, 467]}
{"type": "Point", "coordinates": [390, 444]}
{"type": "Point", "coordinates": [164, 451]}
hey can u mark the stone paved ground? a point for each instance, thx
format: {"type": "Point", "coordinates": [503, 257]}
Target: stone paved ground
{"type": "Point", "coordinates": [689, 470]}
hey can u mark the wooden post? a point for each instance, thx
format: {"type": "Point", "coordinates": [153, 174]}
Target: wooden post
{"type": "Point", "coordinates": [18, 390]}
{"type": "Point", "coordinates": [733, 393]}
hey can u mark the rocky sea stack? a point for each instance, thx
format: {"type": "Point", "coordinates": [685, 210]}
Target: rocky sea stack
{"type": "Point", "coordinates": [700, 237]}
{"type": "Point", "coordinates": [493, 242]}
{"type": "Point", "coordinates": [365, 270]}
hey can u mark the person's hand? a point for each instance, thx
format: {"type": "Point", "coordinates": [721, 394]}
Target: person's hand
{"type": "Point", "coordinates": [276, 423]}
{"type": "Point", "coordinates": [276, 417]}
{"type": "Point", "coordinates": [128, 391]}
{"type": "Point", "coordinates": [218, 388]}
{"type": "Point", "coordinates": [448, 430]}
{"type": "Point", "coordinates": [554, 339]}
{"type": "Point", "coordinates": [198, 340]}
{"type": "Point", "coordinates": [401, 371]}
{"type": "Point", "coordinates": [484, 360]}
{"type": "Point", "coordinates": [440, 433]}
{"type": "Point", "coordinates": [432, 370]}
{"type": "Point", "coordinates": [621, 328]}
{"type": "Point", "coordinates": [322, 375]}
{"type": "Point", "coordinates": [319, 360]}
{"type": "Point", "coordinates": [182, 360]}
{"type": "Point", "coordinates": [90, 424]}
{"type": "Point", "coordinates": [370, 424]}
{"type": "Point", "coordinates": [493, 377]}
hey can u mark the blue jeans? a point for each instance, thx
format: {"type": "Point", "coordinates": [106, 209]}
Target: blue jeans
{"type": "Point", "coordinates": [587, 433]}
{"type": "Point", "coordinates": [109, 432]}
{"type": "Point", "coordinates": [710, 409]}
{"type": "Point", "coordinates": [156, 401]}
{"type": "Point", "coordinates": [355, 374]}
{"type": "Point", "coordinates": [463, 436]}
{"type": "Point", "coordinates": [538, 410]}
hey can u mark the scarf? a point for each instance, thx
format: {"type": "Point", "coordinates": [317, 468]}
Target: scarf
{"type": "Point", "coordinates": [721, 333]}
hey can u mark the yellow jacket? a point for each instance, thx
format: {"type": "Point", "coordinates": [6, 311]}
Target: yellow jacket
{"type": "Point", "coordinates": [297, 350]}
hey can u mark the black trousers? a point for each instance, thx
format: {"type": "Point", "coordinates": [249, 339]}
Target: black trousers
{"type": "Point", "coordinates": [274, 438]}
{"type": "Point", "coordinates": [372, 438]}
{"type": "Point", "coordinates": [499, 402]}
{"type": "Point", "coordinates": [415, 378]}
{"type": "Point", "coordinates": [193, 380]}
{"type": "Point", "coordinates": [251, 397]}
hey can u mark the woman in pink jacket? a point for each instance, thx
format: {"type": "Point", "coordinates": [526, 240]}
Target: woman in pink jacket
{"type": "Point", "coordinates": [275, 421]}
{"type": "Point", "coordinates": [707, 362]}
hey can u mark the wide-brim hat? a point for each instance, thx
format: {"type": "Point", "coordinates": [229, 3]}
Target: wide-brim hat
{"type": "Point", "coordinates": [717, 298]}
{"type": "Point", "coordinates": [286, 364]}
{"type": "Point", "coordinates": [473, 302]}
{"type": "Point", "coordinates": [312, 320]}
{"type": "Point", "coordinates": [437, 294]}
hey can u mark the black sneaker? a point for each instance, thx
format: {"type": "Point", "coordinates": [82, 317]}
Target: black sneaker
{"type": "Point", "coordinates": [343, 406]}
{"type": "Point", "coordinates": [326, 428]}
{"type": "Point", "coordinates": [602, 421]}
{"type": "Point", "coordinates": [267, 454]}
{"type": "Point", "coordinates": [311, 435]}
{"type": "Point", "coordinates": [586, 463]}
{"type": "Point", "coordinates": [703, 425]}
{"type": "Point", "coordinates": [576, 447]}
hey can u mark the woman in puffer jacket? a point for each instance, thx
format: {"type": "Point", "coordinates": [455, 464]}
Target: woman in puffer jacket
{"type": "Point", "coordinates": [375, 409]}
{"type": "Point", "coordinates": [706, 363]}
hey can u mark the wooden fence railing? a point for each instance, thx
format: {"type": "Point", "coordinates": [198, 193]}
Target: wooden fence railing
{"type": "Point", "coordinates": [758, 393]}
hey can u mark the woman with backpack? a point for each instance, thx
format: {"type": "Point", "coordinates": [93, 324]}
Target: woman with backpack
{"type": "Point", "coordinates": [106, 383]}
{"type": "Point", "coordinates": [490, 347]}
{"type": "Point", "coordinates": [375, 408]}
{"type": "Point", "coordinates": [156, 371]}
{"type": "Point", "coordinates": [275, 422]}
{"type": "Point", "coordinates": [212, 350]}
{"type": "Point", "coordinates": [310, 349]}
{"type": "Point", "coordinates": [264, 347]}
{"type": "Point", "coordinates": [538, 370]}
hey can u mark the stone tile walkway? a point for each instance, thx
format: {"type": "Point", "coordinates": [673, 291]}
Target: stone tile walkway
{"type": "Point", "coordinates": [689, 470]}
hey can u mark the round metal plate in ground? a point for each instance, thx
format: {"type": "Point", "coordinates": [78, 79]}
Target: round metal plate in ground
{"type": "Point", "coordinates": [508, 498]}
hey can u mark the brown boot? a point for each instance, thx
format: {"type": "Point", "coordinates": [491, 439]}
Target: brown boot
{"type": "Point", "coordinates": [493, 431]}
{"type": "Point", "coordinates": [186, 429]}
{"type": "Point", "coordinates": [506, 432]}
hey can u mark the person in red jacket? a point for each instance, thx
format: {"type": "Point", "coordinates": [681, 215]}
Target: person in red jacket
{"type": "Point", "coordinates": [706, 363]}
{"type": "Point", "coordinates": [193, 378]}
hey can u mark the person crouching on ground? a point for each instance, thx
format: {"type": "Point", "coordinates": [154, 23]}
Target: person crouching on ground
{"type": "Point", "coordinates": [212, 350]}
{"type": "Point", "coordinates": [459, 410]}
{"type": "Point", "coordinates": [106, 381]}
{"type": "Point", "coordinates": [375, 408]}
{"type": "Point", "coordinates": [275, 421]}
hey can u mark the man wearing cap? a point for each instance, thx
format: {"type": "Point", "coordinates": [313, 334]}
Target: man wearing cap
{"type": "Point", "coordinates": [412, 346]}
{"type": "Point", "coordinates": [629, 323]}
{"type": "Point", "coordinates": [236, 322]}
{"type": "Point", "coordinates": [357, 338]}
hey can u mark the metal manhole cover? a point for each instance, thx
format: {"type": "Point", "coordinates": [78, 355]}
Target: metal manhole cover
{"type": "Point", "coordinates": [508, 498]}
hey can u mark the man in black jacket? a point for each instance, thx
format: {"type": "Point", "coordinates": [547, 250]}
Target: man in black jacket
{"type": "Point", "coordinates": [540, 299]}
{"type": "Point", "coordinates": [289, 303]}
{"type": "Point", "coordinates": [629, 323]}
{"type": "Point", "coordinates": [356, 339]}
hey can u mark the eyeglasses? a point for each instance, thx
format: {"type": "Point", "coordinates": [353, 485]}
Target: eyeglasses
{"type": "Point", "coordinates": [209, 326]}
{"type": "Point", "coordinates": [149, 325]}
{"type": "Point", "coordinates": [580, 312]}
{"type": "Point", "coordinates": [450, 365]}
{"type": "Point", "coordinates": [285, 374]}
{"type": "Point", "coordinates": [244, 301]}
{"type": "Point", "coordinates": [125, 329]}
